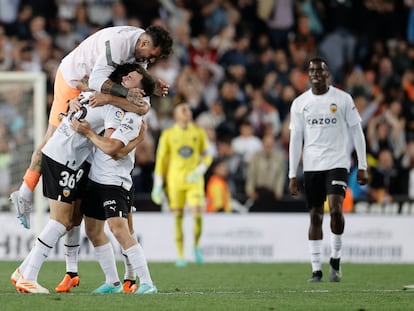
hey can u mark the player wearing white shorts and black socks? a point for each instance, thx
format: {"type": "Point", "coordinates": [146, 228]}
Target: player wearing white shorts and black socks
{"type": "Point", "coordinates": [321, 119]}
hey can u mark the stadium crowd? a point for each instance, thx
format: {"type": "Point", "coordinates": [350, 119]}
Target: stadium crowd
{"type": "Point", "coordinates": [239, 64]}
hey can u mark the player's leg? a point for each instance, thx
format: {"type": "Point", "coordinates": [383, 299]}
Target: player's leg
{"type": "Point", "coordinates": [315, 242]}
{"type": "Point", "coordinates": [23, 198]}
{"type": "Point", "coordinates": [105, 254]}
{"type": "Point", "coordinates": [315, 197]}
{"type": "Point", "coordinates": [196, 201]}
{"type": "Point", "coordinates": [72, 245]}
{"type": "Point", "coordinates": [60, 213]}
{"type": "Point", "coordinates": [72, 238]}
{"type": "Point", "coordinates": [176, 203]}
{"type": "Point", "coordinates": [117, 218]}
{"type": "Point", "coordinates": [336, 194]}
{"type": "Point", "coordinates": [129, 274]}
{"type": "Point", "coordinates": [94, 219]}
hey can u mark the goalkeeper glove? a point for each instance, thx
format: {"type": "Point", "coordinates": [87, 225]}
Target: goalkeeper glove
{"type": "Point", "coordinates": [157, 193]}
{"type": "Point", "coordinates": [198, 173]}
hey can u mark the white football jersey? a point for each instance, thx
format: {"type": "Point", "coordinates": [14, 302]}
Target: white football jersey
{"type": "Point", "coordinates": [324, 121]}
{"type": "Point", "coordinates": [99, 54]}
{"type": "Point", "coordinates": [70, 148]}
{"type": "Point", "coordinates": [107, 171]}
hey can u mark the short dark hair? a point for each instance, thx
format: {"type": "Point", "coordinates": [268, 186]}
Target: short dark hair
{"type": "Point", "coordinates": [318, 59]}
{"type": "Point", "coordinates": [148, 82]}
{"type": "Point", "coordinates": [162, 38]}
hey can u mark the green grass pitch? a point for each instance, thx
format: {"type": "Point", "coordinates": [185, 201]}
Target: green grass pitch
{"type": "Point", "coordinates": [224, 286]}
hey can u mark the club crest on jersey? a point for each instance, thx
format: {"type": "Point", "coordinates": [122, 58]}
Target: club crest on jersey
{"type": "Point", "coordinates": [333, 107]}
{"type": "Point", "coordinates": [185, 151]}
{"type": "Point", "coordinates": [66, 192]}
{"type": "Point", "coordinates": [119, 114]}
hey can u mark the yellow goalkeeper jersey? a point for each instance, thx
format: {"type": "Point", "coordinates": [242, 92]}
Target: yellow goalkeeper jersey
{"type": "Point", "coordinates": [179, 152]}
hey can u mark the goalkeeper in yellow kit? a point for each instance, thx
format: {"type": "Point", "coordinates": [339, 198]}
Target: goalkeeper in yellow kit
{"type": "Point", "coordinates": [181, 160]}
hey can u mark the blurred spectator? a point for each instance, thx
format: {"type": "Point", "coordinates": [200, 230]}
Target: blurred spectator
{"type": "Point", "coordinates": [313, 10]}
{"type": "Point", "coordinates": [246, 143]}
{"type": "Point", "coordinates": [237, 169]}
{"type": "Point", "coordinates": [214, 14]}
{"type": "Point", "coordinates": [28, 60]}
{"type": "Point", "coordinates": [233, 100]}
{"type": "Point", "coordinates": [280, 20]}
{"type": "Point", "coordinates": [302, 42]}
{"type": "Point", "coordinates": [212, 117]}
{"type": "Point", "coordinates": [8, 14]}
{"type": "Point", "coordinates": [6, 51]}
{"type": "Point", "coordinates": [66, 38]}
{"type": "Point", "coordinates": [385, 131]}
{"type": "Point", "coordinates": [118, 16]}
{"type": "Point", "coordinates": [383, 182]}
{"type": "Point", "coordinates": [189, 88]}
{"type": "Point", "coordinates": [218, 195]}
{"type": "Point", "coordinates": [145, 11]}
{"type": "Point", "coordinates": [144, 165]}
{"type": "Point", "coordinates": [263, 116]}
{"type": "Point", "coordinates": [20, 29]}
{"type": "Point", "coordinates": [82, 25]}
{"type": "Point", "coordinates": [266, 176]}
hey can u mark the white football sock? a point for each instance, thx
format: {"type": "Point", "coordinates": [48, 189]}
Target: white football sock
{"type": "Point", "coordinates": [315, 248]}
{"type": "Point", "coordinates": [136, 256]}
{"type": "Point", "coordinates": [106, 259]}
{"type": "Point", "coordinates": [336, 245]}
{"type": "Point", "coordinates": [72, 245]}
{"type": "Point", "coordinates": [45, 242]}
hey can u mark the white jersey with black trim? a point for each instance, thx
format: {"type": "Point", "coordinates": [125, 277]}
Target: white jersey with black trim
{"type": "Point", "coordinates": [99, 54]}
{"type": "Point", "coordinates": [107, 171]}
{"type": "Point", "coordinates": [70, 148]}
{"type": "Point", "coordinates": [324, 121]}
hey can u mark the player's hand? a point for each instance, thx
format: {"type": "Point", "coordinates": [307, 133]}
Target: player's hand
{"type": "Point", "coordinates": [294, 187]}
{"type": "Point", "coordinates": [161, 88]}
{"type": "Point", "coordinates": [157, 195]}
{"type": "Point", "coordinates": [194, 176]}
{"type": "Point", "coordinates": [81, 126]}
{"type": "Point", "coordinates": [99, 99]}
{"type": "Point", "coordinates": [362, 177]}
{"type": "Point", "coordinates": [75, 104]}
{"type": "Point", "coordinates": [135, 95]}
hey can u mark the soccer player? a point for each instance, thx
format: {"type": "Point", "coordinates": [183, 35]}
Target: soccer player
{"type": "Point", "coordinates": [63, 157]}
{"type": "Point", "coordinates": [107, 198]}
{"type": "Point", "coordinates": [321, 120]}
{"type": "Point", "coordinates": [96, 57]}
{"type": "Point", "coordinates": [181, 161]}
{"type": "Point", "coordinates": [126, 76]}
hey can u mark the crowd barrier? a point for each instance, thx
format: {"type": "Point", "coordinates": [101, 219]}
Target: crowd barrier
{"type": "Point", "coordinates": [250, 237]}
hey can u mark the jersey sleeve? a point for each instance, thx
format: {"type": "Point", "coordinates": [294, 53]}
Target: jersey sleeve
{"type": "Point", "coordinates": [351, 115]}
{"type": "Point", "coordinates": [129, 128]}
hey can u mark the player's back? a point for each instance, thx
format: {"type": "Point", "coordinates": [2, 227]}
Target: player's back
{"type": "Point", "coordinates": [82, 59]}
